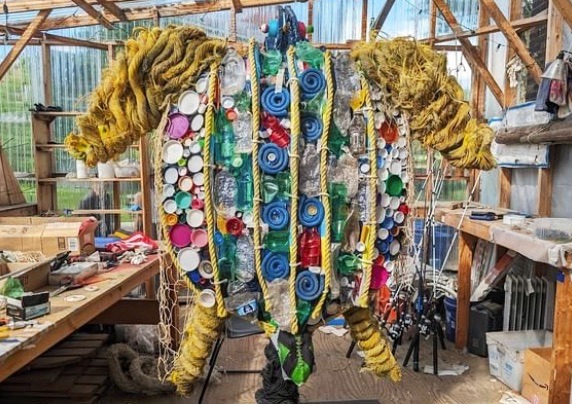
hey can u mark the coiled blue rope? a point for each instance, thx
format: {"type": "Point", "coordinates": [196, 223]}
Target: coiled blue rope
{"type": "Point", "coordinates": [312, 83]}
{"type": "Point", "coordinates": [309, 286]}
{"type": "Point", "coordinates": [272, 159]}
{"type": "Point", "coordinates": [275, 266]}
{"type": "Point", "coordinates": [311, 127]}
{"type": "Point", "coordinates": [311, 212]}
{"type": "Point", "coordinates": [274, 103]}
{"type": "Point", "coordinates": [275, 215]}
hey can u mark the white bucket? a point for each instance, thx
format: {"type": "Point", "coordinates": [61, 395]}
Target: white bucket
{"type": "Point", "coordinates": [106, 170]}
{"type": "Point", "coordinates": [81, 169]}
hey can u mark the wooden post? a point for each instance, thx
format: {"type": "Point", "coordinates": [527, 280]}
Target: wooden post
{"type": "Point", "coordinates": [364, 23]}
{"type": "Point", "coordinates": [232, 28]}
{"type": "Point", "coordinates": [560, 365]}
{"type": "Point", "coordinates": [47, 72]}
{"type": "Point", "coordinates": [432, 22]}
{"type": "Point", "coordinates": [478, 88]}
{"type": "Point", "coordinates": [515, 13]}
{"type": "Point", "coordinates": [544, 202]}
{"type": "Point", "coordinates": [467, 244]}
{"type": "Point", "coordinates": [310, 18]}
{"type": "Point", "coordinates": [553, 32]}
{"type": "Point", "coordinates": [564, 7]}
{"type": "Point", "coordinates": [146, 202]}
{"type": "Point", "coordinates": [505, 175]}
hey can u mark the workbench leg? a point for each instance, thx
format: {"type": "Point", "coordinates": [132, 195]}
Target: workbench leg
{"type": "Point", "coordinates": [173, 303]}
{"type": "Point", "coordinates": [467, 244]}
{"type": "Point", "coordinates": [559, 391]}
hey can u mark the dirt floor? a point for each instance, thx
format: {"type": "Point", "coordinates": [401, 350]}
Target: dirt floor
{"type": "Point", "coordinates": [339, 379]}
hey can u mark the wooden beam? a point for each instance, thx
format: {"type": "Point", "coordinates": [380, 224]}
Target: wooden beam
{"type": "Point", "coordinates": [58, 39]}
{"type": "Point", "coordinates": [88, 8]}
{"type": "Point", "coordinates": [559, 387]}
{"type": "Point", "coordinates": [47, 73]}
{"type": "Point", "coordinates": [113, 9]}
{"type": "Point", "coordinates": [467, 245]}
{"type": "Point", "coordinates": [471, 53]}
{"type": "Point", "coordinates": [146, 13]}
{"type": "Point", "coordinates": [565, 8]}
{"type": "Point", "coordinates": [478, 87]}
{"type": "Point", "coordinates": [232, 27]}
{"type": "Point", "coordinates": [513, 38]}
{"type": "Point", "coordinates": [22, 42]}
{"type": "Point", "coordinates": [382, 16]}
{"type": "Point", "coordinates": [520, 24]}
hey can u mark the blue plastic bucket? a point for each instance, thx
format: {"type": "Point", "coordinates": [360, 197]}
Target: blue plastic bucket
{"type": "Point", "coordinates": [443, 238]}
{"type": "Point", "coordinates": [450, 318]}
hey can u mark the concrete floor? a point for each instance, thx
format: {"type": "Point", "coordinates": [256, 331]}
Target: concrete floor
{"type": "Point", "coordinates": [337, 378]}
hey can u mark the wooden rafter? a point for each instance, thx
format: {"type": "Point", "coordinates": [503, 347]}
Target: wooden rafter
{"type": "Point", "coordinates": [22, 42]}
{"type": "Point", "coordinates": [92, 12]}
{"type": "Point", "coordinates": [146, 13]}
{"type": "Point", "coordinates": [382, 16]}
{"type": "Point", "coordinates": [57, 39]}
{"type": "Point", "coordinates": [565, 8]}
{"type": "Point", "coordinates": [471, 52]}
{"type": "Point", "coordinates": [364, 24]}
{"type": "Point", "coordinates": [113, 9]}
{"type": "Point", "coordinates": [513, 38]}
{"type": "Point", "coordinates": [520, 24]}
{"type": "Point", "coordinates": [432, 22]}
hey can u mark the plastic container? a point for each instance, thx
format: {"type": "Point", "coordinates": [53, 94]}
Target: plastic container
{"type": "Point", "coordinates": [450, 318]}
{"type": "Point", "coordinates": [106, 170]}
{"type": "Point", "coordinates": [506, 353]}
{"type": "Point", "coordinates": [443, 238]}
{"type": "Point", "coordinates": [558, 230]}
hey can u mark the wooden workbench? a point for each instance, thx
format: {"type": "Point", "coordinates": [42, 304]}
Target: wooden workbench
{"type": "Point", "coordinates": [66, 317]}
{"type": "Point", "coordinates": [470, 231]}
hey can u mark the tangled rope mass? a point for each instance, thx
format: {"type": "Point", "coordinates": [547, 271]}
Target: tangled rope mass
{"type": "Point", "coordinates": [156, 67]}
{"type": "Point", "coordinates": [414, 79]}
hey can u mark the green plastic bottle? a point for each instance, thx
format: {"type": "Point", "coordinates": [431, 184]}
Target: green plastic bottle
{"type": "Point", "coordinates": [303, 310]}
{"type": "Point", "coordinates": [338, 195]}
{"type": "Point", "coordinates": [348, 264]}
{"type": "Point", "coordinates": [309, 54]}
{"type": "Point", "coordinates": [277, 241]}
{"type": "Point", "coordinates": [283, 180]}
{"type": "Point", "coordinates": [245, 192]}
{"type": "Point", "coordinates": [272, 59]}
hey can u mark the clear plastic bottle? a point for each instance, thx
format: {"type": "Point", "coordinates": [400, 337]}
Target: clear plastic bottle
{"type": "Point", "coordinates": [244, 258]}
{"type": "Point", "coordinates": [310, 171]}
{"type": "Point", "coordinates": [242, 127]}
{"type": "Point", "coordinates": [357, 134]}
{"type": "Point", "coordinates": [233, 75]}
{"type": "Point", "coordinates": [225, 190]}
{"type": "Point", "coordinates": [245, 191]}
{"type": "Point", "coordinates": [362, 200]}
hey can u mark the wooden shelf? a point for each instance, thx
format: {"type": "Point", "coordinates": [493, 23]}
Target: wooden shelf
{"type": "Point", "coordinates": [107, 211]}
{"type": "Point", "coordinates": [52, 146]}
{"type": "Point", "coordinates": [65, 179]}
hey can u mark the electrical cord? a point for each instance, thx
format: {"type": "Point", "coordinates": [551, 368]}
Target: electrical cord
{"type": "Point", "coordinates": [311, 127]}
{"type": "Point", "coordinates": [275, 266]}
{"type": "Point", "coordinates": [312, 83]}
{"type": "Point", "coordinates": [275, 215]}
{"type": "Point", "coordinates": [272, 159]}
{"type": "Point", "coordinates": [311, 212]}
{"type": "Point", "coordinates": [309, 286]}
{"type": "Point", "coordinates": [275, 103]}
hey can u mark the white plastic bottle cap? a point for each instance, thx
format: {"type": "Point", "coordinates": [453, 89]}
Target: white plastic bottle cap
{"type": "Point", "coordinates": [195, 164]}
{"type": "Point", "coordinates": [360, 247]}
{"type": "Point", "coordinates": [207, 298]}
{"type": "Point", "coordinates": [206, 270]}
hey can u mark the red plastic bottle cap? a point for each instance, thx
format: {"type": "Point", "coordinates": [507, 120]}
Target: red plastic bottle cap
{"type": "Point", "coordinates": [231, 114]}
{"type": "Point", "coordinates": [234, 226]}
{"type": "Point", "coordinates": [403, 208]}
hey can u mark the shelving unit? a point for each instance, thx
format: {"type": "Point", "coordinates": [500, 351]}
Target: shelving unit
{"type": "Point", "coordinates": [47, 180]}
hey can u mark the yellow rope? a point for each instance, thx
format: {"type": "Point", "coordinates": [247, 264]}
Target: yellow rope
{"type": "Point", "coordinates": [255, 93]}
{"type": "Point", "coordinates": [370, 225]}
{"type": "Point", "coordinates": [210, 217]}
{"type": "Point", "coordinates": [325, 242]}
{"type": "Point", "coordinates": [294, 162]}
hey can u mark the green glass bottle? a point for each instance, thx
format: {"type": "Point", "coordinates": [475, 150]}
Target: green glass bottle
{"type": "Point", "coordinates": [277, 241]}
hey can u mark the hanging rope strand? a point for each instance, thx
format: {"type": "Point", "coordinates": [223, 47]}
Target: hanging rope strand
{"type": "Point", "coordinates": [326, 236]}
{"type": "Point", "coordinates": [256, 172]}
{"type": "Point", "coordinates": [294, 166]}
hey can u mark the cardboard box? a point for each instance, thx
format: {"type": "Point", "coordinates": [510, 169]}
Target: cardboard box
{"type": "Point", "coordinates": [32, 276]}
{"type": "Point", "coordinates": [29, 306]}
{"type": "Point", "coordinates": [536, 375]}
{"type": "Point", "coordinates": [51, 235]}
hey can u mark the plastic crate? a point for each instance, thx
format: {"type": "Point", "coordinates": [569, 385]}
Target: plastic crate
{"type": "Point", "coordinates": [506, 353]}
